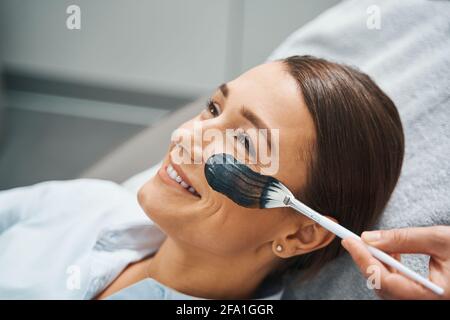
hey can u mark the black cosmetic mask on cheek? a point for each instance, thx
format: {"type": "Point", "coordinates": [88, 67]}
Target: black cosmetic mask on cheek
{"type": "Point", "coordinates": [237, 181]}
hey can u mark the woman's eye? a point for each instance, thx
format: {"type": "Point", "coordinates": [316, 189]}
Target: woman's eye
{"type": "Point", "coordinates": [212, 108]}
{"type": "Point", "coordinates": [245, 140]}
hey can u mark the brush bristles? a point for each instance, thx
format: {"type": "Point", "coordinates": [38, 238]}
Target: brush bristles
{"type": "Point", "coordinates": [274, 195]}
{"type": "Point", "coordinates": [242, 185]}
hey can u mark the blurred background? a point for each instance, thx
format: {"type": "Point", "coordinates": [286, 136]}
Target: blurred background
{"type": "Point", "coordinates": [69, 97]}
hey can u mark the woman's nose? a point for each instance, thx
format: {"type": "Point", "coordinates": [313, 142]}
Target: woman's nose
{"type": "Point", "coordinates": [198, 140]}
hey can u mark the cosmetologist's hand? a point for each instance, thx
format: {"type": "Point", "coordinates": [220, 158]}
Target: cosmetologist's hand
{"type": "Point", "coordinates": [433, 241]}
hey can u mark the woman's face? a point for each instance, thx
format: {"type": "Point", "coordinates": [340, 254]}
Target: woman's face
{"type": "Point", "coordinates": [211, 221]}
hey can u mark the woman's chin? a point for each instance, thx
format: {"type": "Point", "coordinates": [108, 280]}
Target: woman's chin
{"type": "Point", "coordinates": [157, 200]}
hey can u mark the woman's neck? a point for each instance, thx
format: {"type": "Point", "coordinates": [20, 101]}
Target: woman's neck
{"type": "Point", "coordinates": [206, 275]}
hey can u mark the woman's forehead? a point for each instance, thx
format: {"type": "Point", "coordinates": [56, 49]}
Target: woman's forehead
{"type": "Point", "coordinates": [272, 93]}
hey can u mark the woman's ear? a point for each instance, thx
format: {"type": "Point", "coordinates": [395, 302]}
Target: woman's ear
{"type": "Point", "coordinates": [302, 236]}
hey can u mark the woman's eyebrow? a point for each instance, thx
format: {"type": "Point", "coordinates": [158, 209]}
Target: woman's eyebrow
{"type": "Point", "coordinates": [224, 89]}
{"type": "Point", "coordinates": [245, 112]}
{"type": "Point", "coordinates": [250, 116]}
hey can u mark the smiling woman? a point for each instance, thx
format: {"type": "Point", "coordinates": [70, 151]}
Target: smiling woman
{"type": "Point", "coordinates": [339, 150]}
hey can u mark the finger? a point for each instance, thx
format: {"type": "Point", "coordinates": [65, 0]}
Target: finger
{"type": "Point", "coordinates": [393, 285]}
{"type": "Point", "coordinates": [397, 286]}
{"type": "Point", "coordinates": [397, 257]}
{"type": "Point", "coordinates": [433, 241]}
{"type": "Point", "coordinates": [362, 257]}
{"type": "Point", "coordinates": [366, 263]}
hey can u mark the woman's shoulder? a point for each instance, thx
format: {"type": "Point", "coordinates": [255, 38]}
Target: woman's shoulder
{"type": "Point", "coordinates": [70, 191]}
{"type": "Point", "coordinates": [52, 230]}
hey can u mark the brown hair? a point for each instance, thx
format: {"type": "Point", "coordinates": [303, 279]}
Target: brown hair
{"type": "Point", "coordinates": [357, 155]}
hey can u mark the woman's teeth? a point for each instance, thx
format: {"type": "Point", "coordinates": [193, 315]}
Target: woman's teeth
{"type": "Point", "coordinates": [173, 174]}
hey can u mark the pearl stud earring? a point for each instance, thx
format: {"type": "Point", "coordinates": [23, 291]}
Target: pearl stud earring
{"type": "Point", "coordinates": [279, 248]}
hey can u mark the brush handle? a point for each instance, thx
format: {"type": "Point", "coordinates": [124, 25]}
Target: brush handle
{"type": "Point", "coordinates": [343, 233]}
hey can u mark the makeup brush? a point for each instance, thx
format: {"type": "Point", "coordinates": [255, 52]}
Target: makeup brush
{"type": "Point", "coordinates": [250, 189]}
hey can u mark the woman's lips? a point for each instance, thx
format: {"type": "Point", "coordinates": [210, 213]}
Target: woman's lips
{"type": "Point", "coordinates": [180, 172]}
{"type": "Point", "coordinates": [164, 175]}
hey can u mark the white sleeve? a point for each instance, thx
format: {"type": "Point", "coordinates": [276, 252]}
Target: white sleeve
{"type": "Point", "coordinates": [15, 204]}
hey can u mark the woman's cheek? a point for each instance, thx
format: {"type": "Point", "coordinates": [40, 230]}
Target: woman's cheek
{"type": "Point", "coordinates": [229, 231]}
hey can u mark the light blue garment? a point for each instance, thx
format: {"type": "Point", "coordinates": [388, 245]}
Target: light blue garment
{"type": "Point", "coordinates": [71, 239]}
{"type": "Point", "coordinates": [148, 289]}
